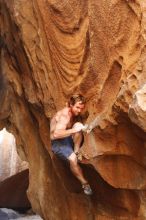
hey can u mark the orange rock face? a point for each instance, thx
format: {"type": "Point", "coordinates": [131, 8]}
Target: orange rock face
{"type": "Point", "coordinates": [51, 49]}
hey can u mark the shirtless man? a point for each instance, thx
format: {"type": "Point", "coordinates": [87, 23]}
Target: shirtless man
{"type": "Point", "coordinates": [66, 136]}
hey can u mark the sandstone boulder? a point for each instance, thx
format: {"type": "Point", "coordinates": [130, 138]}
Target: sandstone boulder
{"type": "Point", "coordinates": [13, 192]}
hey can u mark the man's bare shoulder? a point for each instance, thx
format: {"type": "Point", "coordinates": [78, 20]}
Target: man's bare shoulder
{"type": "Point", "coordinates": [65, 111]}
{"type": "Point", "coordinates": [62, 113]}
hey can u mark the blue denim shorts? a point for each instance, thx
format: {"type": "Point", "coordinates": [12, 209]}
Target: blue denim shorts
{"type": "Point", "coordinates": [63, 147]}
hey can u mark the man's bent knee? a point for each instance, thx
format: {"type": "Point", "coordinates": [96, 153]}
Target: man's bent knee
{"type": "Point", "coordinates": [77, 134]}
{"type": "Point", "coordinates": [72, 158]}
{"type": "Point", "coordinates": [75, 124]}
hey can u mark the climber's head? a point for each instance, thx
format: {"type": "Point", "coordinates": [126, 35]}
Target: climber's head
{"type": "Point", "coordinates": [76, 104]}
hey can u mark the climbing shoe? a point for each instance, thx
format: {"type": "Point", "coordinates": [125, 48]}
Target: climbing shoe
{"type": "Point", "coordinates": [87, 189]}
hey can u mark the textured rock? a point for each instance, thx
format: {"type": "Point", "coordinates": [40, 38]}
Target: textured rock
{"type": "Point", "coordinates": [137, 110]}
{"type": "Point", "coordinates": [51, 49]}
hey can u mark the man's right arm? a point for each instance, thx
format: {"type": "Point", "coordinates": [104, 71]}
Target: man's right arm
{"type": "Point", "coordinates": [60, 129]}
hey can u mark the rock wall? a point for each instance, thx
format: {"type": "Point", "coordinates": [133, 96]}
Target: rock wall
{"type": "Point", "coordinates": [51, 49]}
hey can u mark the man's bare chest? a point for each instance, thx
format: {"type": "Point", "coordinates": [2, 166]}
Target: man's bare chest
{"type": "Point", "coordinates": [70, 123]}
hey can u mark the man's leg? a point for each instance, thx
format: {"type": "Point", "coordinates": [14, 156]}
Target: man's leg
{"type": "Point", "coordinates": [77, 139]}
{"type": "Point", "coordinates": [76, 169]}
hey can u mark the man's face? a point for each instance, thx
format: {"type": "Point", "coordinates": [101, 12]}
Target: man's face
{"type": "Point", "coordinates": [77, 108]}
